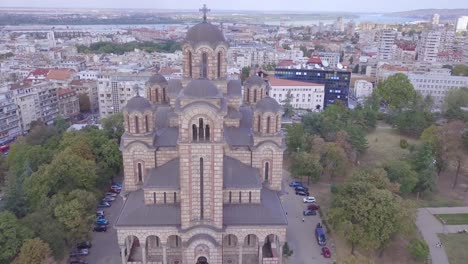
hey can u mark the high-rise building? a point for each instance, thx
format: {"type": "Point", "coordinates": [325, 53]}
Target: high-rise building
{"type": "Point", "coordinates": [386, 44]}
{"type": "Point", "coordinates": [435, 19]}
{"type": "Point", "coordinates": [10, 126]}
{"type": "Point", "coordinates": [462, 24]}
{"type": "Point", "coordinates": [429, 45]}
{"type": "Point", "coordinates": [340, 25]}
{"type": "Point", "coordinates": [202, 165]}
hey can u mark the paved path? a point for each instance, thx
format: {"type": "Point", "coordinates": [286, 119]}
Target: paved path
{"type": "Point", "coordinates": [429, 227]}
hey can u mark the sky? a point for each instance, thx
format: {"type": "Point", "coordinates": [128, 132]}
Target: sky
{"type": "Point", "coordinates": [276, 5]}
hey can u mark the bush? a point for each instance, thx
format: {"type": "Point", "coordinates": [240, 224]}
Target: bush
{"type": "Point", "coordinates": [334, 188]}
{"type": "Point", "coordinates": [419, 249]}
{"type": "Point", "coordinates": [403, 143]}
{"type": "Point", "coordinates": [287, 252]}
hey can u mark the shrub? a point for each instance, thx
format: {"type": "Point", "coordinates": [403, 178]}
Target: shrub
{"type": "Point", "coordinates": [403, 143]}
{"type": "Point", "coordinates": [419, 249]}
{"type": "Point", "coordinates": [334, 188]}
{"type": "Point", "coordinates": [287, 252]}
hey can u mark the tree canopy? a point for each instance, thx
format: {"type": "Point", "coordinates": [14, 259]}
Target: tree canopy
{"type": "Point", "coordinates": [12, 236]}
{"type": "Point", "coordinates": [168, 46]}
{"type": "Point", "coordinates": [453, 103]}
{"type": "Point", "coordinates": [33, 251]}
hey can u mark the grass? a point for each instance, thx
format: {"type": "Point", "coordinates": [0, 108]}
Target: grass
{"type": "Point", "coordinates": [384, 145]}
{"type": "Point", "coordinates": [453, 219]}
{"type": "Point", "coordinates": [437, 200]}
{"type": "Point", "coordinates": [455, 247]}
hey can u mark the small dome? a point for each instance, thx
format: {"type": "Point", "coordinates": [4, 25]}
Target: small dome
{"type": "Point", "coordinates": [254, 80]}
{"type": "Point", "coordinates": [267, 104]}
{"type": "Point", "coordinates": [205, 33]}
{"type": "Point", "coordinates": [157, 79]}
{"type": "Point", "coordinates": [201, 89]}
{"type": "Point", "coordinates": [138, 104]}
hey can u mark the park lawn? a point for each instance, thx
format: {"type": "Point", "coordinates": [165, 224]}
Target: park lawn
{"type": "Point", "coordinates": [454, 219]}
{"type": "Point", "coordinates": [455, 247]}
{"type": "Point", "coordinates": [384, 145]}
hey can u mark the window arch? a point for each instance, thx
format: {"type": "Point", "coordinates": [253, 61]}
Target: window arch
{"type": "Point", "coordinates": [201, 188]}
{"type": "Point", "coordinates": [163, 94]}
{"type": "Point", "coordinates": [259, 122]}
{"type": "Point", "coordinates": [140, 172]}
{"type": "Point", "coordinates": [268, 124]}
{"type": "Point", "coordinates": [248, 95]}
{"type": "Point", "coordinates": [276, 126]}
{"type": "Point", "coordinates": [194, 132]}
{"type": "Point", "coordinates": [201, 134]}
{"type": "Point", "coordinates": [240, 197]}
{"type": "Point", "coordinates": [204, 68]}
{"type": "Point", "coordinates": [137, 125]}
{"type": "Point", "coordinates": [128, 122]}
{"type": "Point", "coordinates": [250, 197]}
{"type": "Point", "coordinates": [255, 95]}
{"type": "Point", "coordinates": [230, 196]}
{"type": "Point", "coordinates": [146, 123]}
{"type": "Point", "coordinates": [207, 132]}
{"type": "Point", "coordinates": [219, 64]}
{"type": "Point", "coordinates": [267, 171]}
{"type": "Point", "coordinates": [157, 95]}
{"type": "Point", "coordinates": [190, 63]}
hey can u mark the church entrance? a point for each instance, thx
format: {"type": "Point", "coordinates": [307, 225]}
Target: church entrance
{"type": "Point", "coordinates": [202, 260]}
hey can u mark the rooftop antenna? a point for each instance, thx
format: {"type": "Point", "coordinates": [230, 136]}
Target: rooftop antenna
{"type": "Point", "coordinates": [204, 10]}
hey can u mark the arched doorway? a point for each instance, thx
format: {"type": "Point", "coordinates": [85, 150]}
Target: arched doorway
{"type": "Point", "coordinates": [202, 260]}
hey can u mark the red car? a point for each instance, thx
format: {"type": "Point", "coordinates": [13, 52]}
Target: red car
{"type": "Point", "coordinates": [326, 252]}
{"type": "Point", "coordinates": [313, 207]}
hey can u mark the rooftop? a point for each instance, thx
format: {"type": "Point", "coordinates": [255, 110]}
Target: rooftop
{"type": "Point", "coordinates": [239, 175]}
{"type": "Point", "coordinates": [286, 82]}
{"type": "Point", "coordinates": [166, 176]}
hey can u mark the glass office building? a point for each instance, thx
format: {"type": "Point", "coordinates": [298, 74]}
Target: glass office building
{"type": "Point", "coordinates": [336, 81]}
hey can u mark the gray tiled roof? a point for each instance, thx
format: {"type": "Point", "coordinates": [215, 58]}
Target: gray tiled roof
{"type": "Point", "coordinates": [162, 116]}
{"type": "Point", "coordinates": [247, 115]}
{"type": "Point", "coordinates": [205, 33]}
{"type": "Point", "coordinates": [238, 136]}
{"type": "Point", "coordinates": [268, 104]}
{"type": "Point", "coordinates": [201, 89]}
{"type": "Point", "coordinates": [137, 104]}
{"type": "Point", "coordinates": [136, 213]}
{"type": "Point", "coordinates": [167, 137]}
{"type": "Point", "coordinates": [234, 87]}
{"type": "Point", "coordinates": [268, 212]}
{"type": "Point", "coordinates": [157, 79]}
{"type": "Point", "coordinates": [166, 176]}
{"type": "Point", "coordinates": [233, 113]}
{"type": "Point", "coordinates": [254, 80]}
{"type": "Point", "coordinates": [238, 175]}
{"type": "Point", "coordinates": [174, 87]}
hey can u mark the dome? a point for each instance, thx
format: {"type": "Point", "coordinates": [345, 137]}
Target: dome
{"type": "Point", "coordinates": [201, 89]}
{"type": "Point", "coordinates": [205, 32]}
{"type": "Point", "coordinates": [138, 104]}
{"type": "Point", "coordinates": [254, 80]}
{"type": "Point", "coordinates": [157, 79]}
{"type": "Point", "coordinates": [267, 104]}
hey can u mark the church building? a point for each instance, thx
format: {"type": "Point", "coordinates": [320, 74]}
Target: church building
{"type": "Point", "coordinates": [202, 165]}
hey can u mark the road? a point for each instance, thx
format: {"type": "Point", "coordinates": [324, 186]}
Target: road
{"type": "Point", "coordinates": [300, 235]}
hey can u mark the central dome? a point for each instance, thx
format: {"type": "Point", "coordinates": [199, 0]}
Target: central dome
{"type": "Point", "coordinates": [201, 89]}
{"type": "Point", "coordinates": [205, 33]}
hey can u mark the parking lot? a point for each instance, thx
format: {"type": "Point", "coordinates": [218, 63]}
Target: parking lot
{"type": "Point", "coordinates": [300, 235]}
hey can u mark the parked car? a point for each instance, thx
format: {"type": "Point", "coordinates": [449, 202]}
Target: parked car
{"type": "Point", "coordinates": [84, 244]}
{"type": "Point", "coordinates": [102, 221]}
{"type": "Point", "coordinates": [78, 261]}
{"type": "Point", "coordinates": [116, 186]}
{"type": "Point", "coordinates": [309, 199]}
{"type": "Point", "coordinates": [302, 193]}
{"type": "Point", "coordinates": [100, 213]}
{"type": "Point", "coordinates": [320, 235]}
{"type": "Point", "coordinates": [313, 207]}
{"type": "Point", "coordinates": [100, 228]}
{"type": "Point", "coordinates": [309, 212]}
{"type": "Point", "coordinates": [295, 184]}
{"type": "Point", "coordinates": [326, 252]}
{"type": "Point", "coordinates": [108, 199]}
{"type": "Point", "coordinates": [301, 188]}
{"type": "Point", "coordinates": [103, 204]}
{"type": "Point", "coordinates": [111, 194]}
{"type": "Point", "coordinates": [116, 191]}
{"type": "Point", "coordinates": [81, 252]}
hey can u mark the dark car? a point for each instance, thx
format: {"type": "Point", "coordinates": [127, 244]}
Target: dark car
{"type": "Point", "coordinates": [309, 212]}
{"type": "Point", "coordinates": [100, 213]}
{"type": "Point", "coordinates": [78, 261]}
{"type": "Point", "coordinates": [326, 252]}
{"type": "Point", "coordinates": [302, 193]}
{"type": "Point", "coordinates": [84, 244]}
{"type": "Point", "coordinates": [301, 188]}
{"type": "Point", "coordinates": [79, 253]}
{"type": "Point", "coordinates": [100, 228]}
{"type": "Point", "coordinates": [103, 205]}
{"type": "Point", "coordinates": [295, 184]}
{"type": "Point", "coordinates": [114, 190]}
{"type": "Point", "coordinates": [313, 207]}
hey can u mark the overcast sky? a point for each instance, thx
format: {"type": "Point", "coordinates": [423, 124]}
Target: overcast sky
{"type": "Point", "coordinates": [280, 5]}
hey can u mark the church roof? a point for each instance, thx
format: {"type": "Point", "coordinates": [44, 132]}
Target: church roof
{"type": "Point", "coordinates": [201, 88]}
{"type": "Point", "coordinates": [165, 176]}
{"type": "Point", "coordinates": [138, 104]}
{"type": "Point", "coordinates": [205, 33]}
{"type": "Point", "coordinates": [239, 175]}
{"type": "Point", "coordinates": [254, 80]}
{"type": "Point", "coordinates": [242, 135]}
{"type": "Point", "coordinates": [267, 104]}
{"type": "Point", "coordinates": [157, 79]}
{"type": "Point", "coordinates": [174, 87]}
{"type": "Point", "coordinates": [234, 87]}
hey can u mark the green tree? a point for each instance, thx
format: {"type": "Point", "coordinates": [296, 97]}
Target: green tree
{"type": "Point", "coordinates": [245, 73]}
{"type": "Point", "coordinates": [306, 164]}
{"type": "Point", "coordinates": [12, 236]}
{"type": "Point", "coordinates": [286, 46]}
{"type": "Point", "coordinates": [397, 91]}
{"type": "Point", "coordinates": [453, 103]}
{"type": "Point", "coordinates": [402, 173]}
{"type": "Point", "coordinates": [451, 135]}
{"type": "Point", "coordinates": [295, 137]}
{"type": "Point", "coordinates": [33, 251]}
{"type": "Point", "coordinates": [460, 70]}
{"type": "Point", "coordinates": [423, 163]}
{"type": "Point", "coordinates": [333, 160]}
{"type": "Point", "coordinates": [114, 126]}
{"type": "Point", "coordinates": [419, 249]}
{"type": "Point", "coordinates": [61, 125]}
{"type": "Point", "coordinates": [432, 136]}
{"type": "Point", "coordinates": [85, 103]}
{"type": "Point", "coordinates": [287, 106]}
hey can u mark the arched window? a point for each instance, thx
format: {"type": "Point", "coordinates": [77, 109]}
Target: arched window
{"type": "Point", "coordinates": [255, 95]}
{"type": "Point", "coordinates": [240, 197]}
{"type": "Point", "coordinates": [194, 132]}
{"type": "Point", "coordinates": [164, 95]}
{"type": "Point", "coordinates": [277, 125]}
{"type": "Point", "coordinates": [259, 122]}
{"type": "Point", "coordinates": [250, 197]}
{"type": "Point", "coordinates": [190, 63]}
{"type": "Point", "coordinates": [201, 188]}
{"type": "Point", "coordinates": [248, 95]}
{"type": "Point", "coordinates": [261, 94]}
{"type": "Point", "coordinates": [157, 95]}
{"type": "Point", "coordinates": [204, 68]}
{"type": "Point", "coordinates": [207, 132]}
{"type": "Point", "coordinates": [137, 125]}
{"type": "Point", "coordinates": [219, 64]}
{"type": "Point", "coordinates": [267, 170]}
{"type": "Point", "coordinates": [140, 172]}
{"type": "Point", "coordinates": [128, 122]}
{"type": "Point", "coordinates": [268, 124]}
{"type": "Point", "coordinates": [230, 197]}
{"type": "Point", "coordinates": [146, 123]}
{"type": "Point", "coordinates": [200, 130]}
{"type": "Point", "coordinates": [165, 197]}
{"type": "Point", "coordinates": [175, 197]}
{"type": "Point", "coordinates": [154, 197]}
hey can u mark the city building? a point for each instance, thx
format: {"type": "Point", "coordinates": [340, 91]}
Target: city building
{"type": "Point", "coordinates": [429, 45]}
{"type": "Point", "coordinates": [26, 98]}
{"type": "Point", "coordinates": [386, 44]}
{"type": "Point", "coordinates": [361, 90]}
{"type": "Point", "coordinates": [202, 166]}
{"type": "Point", "coordinates": [435, 19]}
{"type": "Point", "coordinates": [68, 103]}
{"type": "Point", "coordinates": [89, 88]}
{"type": "Point", "coordinates": [331, 58]}
{"type": "Point", "coordinates": [336, 81]}
{"type": "Point", "coordinates": [48, 102]}
{"type": "Point", "coordinates": [10, 126]}
{"type": "Point", "coordinates": [462, 24]}
{"type": "Point", "coordinates": [305, 95]}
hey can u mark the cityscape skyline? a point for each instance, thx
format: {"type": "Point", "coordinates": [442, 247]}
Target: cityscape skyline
{"type": "Point", "coordinates": [277, 5]}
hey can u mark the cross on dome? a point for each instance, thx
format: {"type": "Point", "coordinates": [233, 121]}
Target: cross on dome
{"type": "Point", "coordinates": [136, 89]}
{"type": "Point", "coordinates": [204, 10]}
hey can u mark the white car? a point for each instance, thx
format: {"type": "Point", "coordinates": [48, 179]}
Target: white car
{"type": "Point", "coordinates": [309, 199]}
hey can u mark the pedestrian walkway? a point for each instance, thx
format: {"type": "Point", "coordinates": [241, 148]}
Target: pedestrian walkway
{"type": "Point", "coordinates": [429, 227]}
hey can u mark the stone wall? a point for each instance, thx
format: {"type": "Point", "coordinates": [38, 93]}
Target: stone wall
{"type": "Point", "coordinates": [133, 154]}
{"type": "Point", "coordinates": [164, 155]}
{"type": "Point", "coordinates": [241, 154]}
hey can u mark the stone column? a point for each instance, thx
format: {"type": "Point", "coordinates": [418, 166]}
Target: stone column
{"type": "Point", "coordinates": [143, 253]}
{"type": "Point", "coordinates": [280, 253]}
{"type": "Point", "coordinates": [260, 254]}
{"type": "Point", "coordinates": [122, 254]}
{"type": "Point", "coordinates": [240, 254]}
{"type": "Point", "coordinates": [164, 253]}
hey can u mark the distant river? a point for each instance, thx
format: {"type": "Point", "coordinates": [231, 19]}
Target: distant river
{"type": "Point", "coordinates": [372, 18]}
